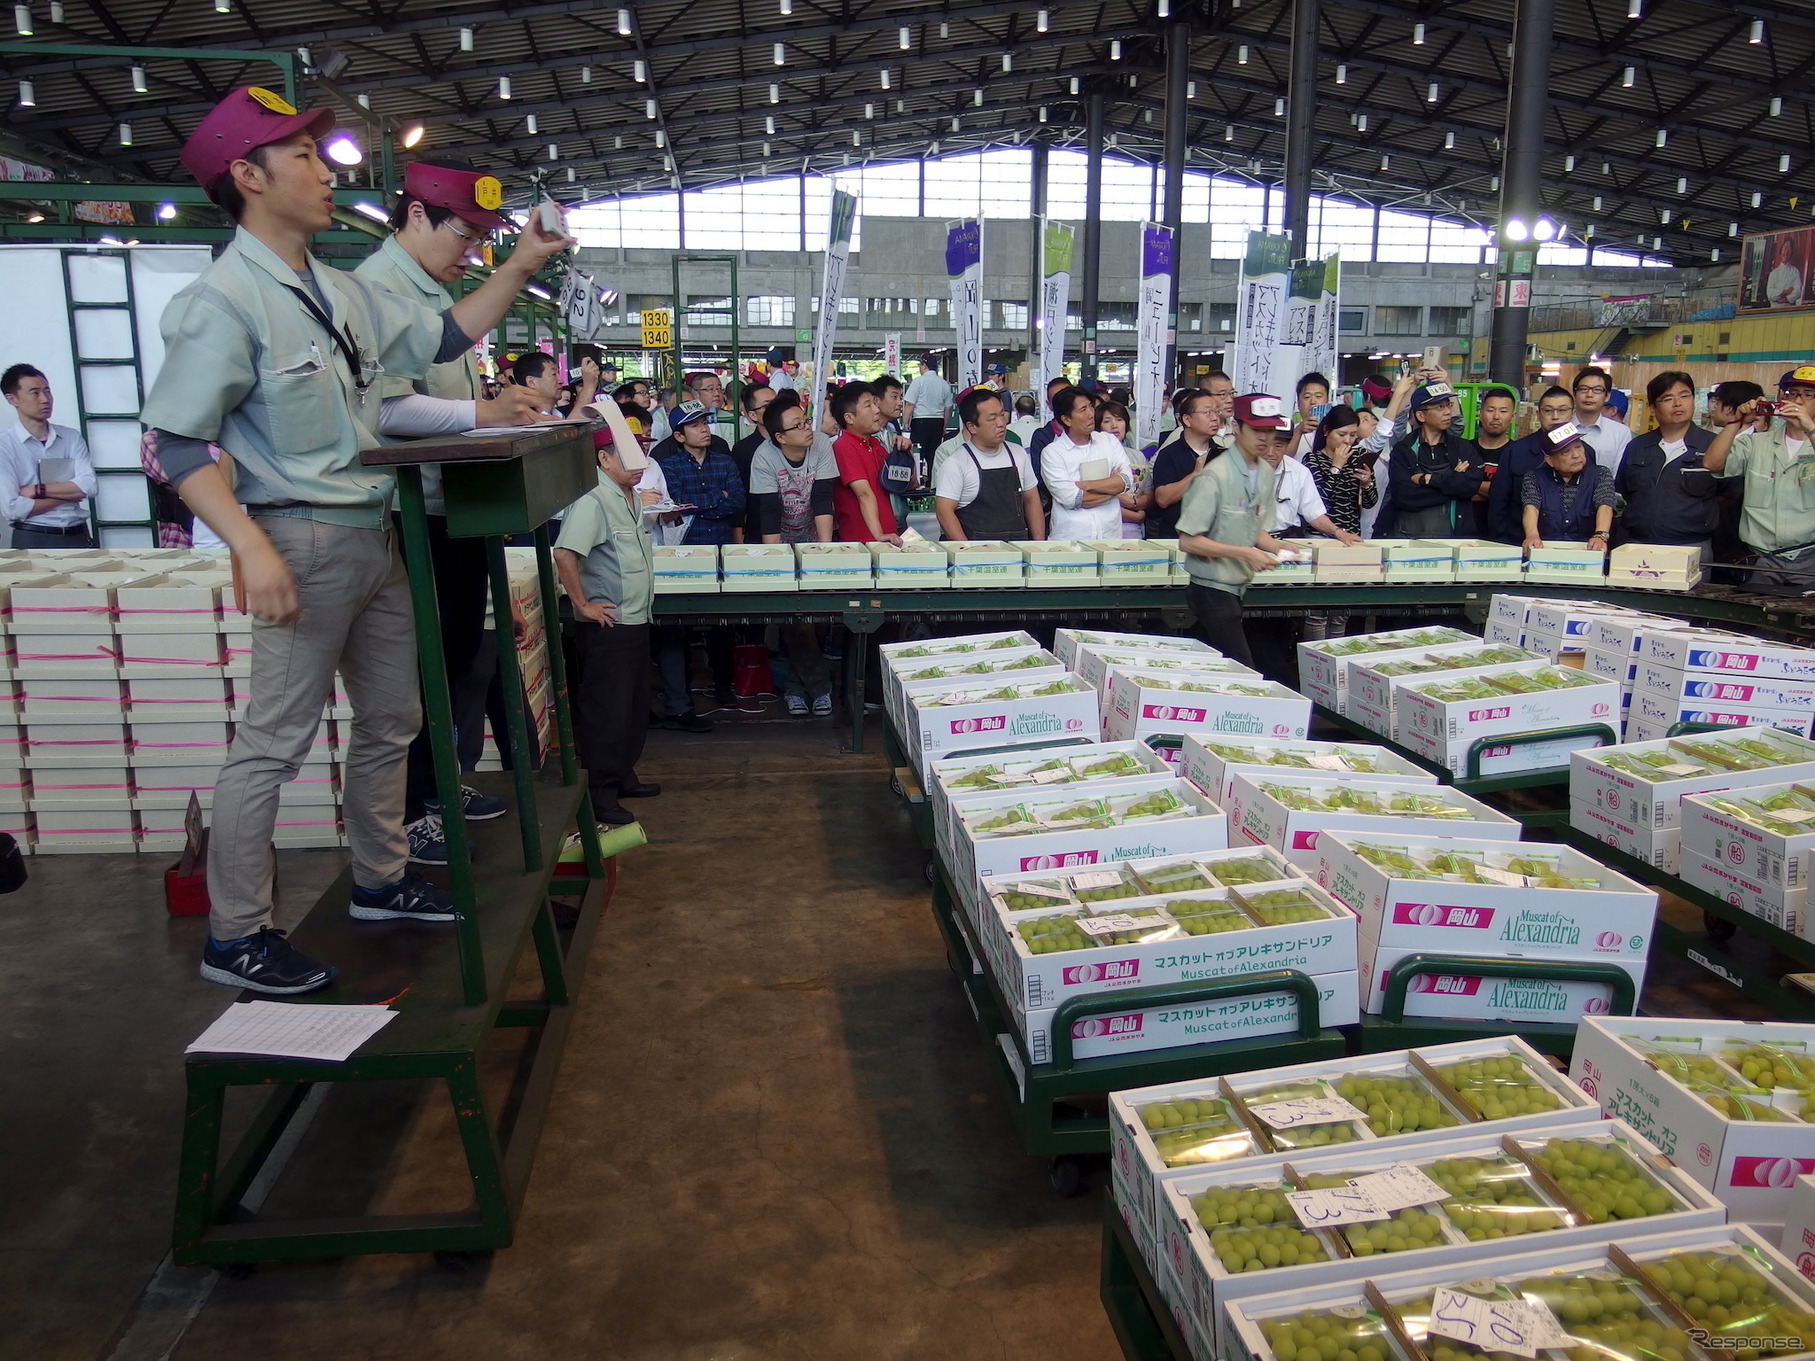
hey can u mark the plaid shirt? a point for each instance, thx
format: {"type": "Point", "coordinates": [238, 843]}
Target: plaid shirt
{"type": "Point", "coordinates": [713, 485]}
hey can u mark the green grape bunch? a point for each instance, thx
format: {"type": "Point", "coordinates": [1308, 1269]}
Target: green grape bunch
{"type": "Point", "coordinates": [1493, 1198]}
{"type": "Point", "coordinates": [1603, 1180]}
{"type": "Point", "coordinates": [1317, 1336]}
{"type": "Point", "coordinates": [1402, 1231]}
{"type": "Point", "coordinates": [1252, 1228]}
{"type": "Point", "coordinates": [1608, 1318]}
{"type": "Point", "coordinates": [1395, 1105]}
{"type": "Point", "coordinates": [1500, 1088]}
{"type": "Point", "coordinates": [1726, 1294]}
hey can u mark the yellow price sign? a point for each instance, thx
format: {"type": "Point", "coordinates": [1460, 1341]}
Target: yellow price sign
{"type": "Point", "coordinates": [658, 328]}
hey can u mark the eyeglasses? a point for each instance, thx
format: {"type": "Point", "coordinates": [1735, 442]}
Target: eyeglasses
{"type": "Point", "coordinates": [1591, 387]}
{"type": "Point", "coordinates": [453, 227]}
{"type": "Point", "coordinates": [790, 429]}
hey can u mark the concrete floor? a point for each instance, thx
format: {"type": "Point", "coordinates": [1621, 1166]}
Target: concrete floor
{"type": "Point", "coordinates": [776, 1135]}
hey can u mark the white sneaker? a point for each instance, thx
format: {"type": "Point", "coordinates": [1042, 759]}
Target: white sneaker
{"type": "Point", "coordinates": [822, 705]}
{"type": "Point", "coordinates": [797, 706]}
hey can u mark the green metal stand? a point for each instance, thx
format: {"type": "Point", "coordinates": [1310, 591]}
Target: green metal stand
{"type": "Point", "coordinates": [1392, 1029]}
{"type": "Point", "coordinates": [449, 988]}
{"type": "Point", "coordinates": [1138, 1314]}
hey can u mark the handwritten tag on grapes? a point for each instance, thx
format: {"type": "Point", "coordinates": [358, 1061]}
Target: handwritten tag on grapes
{"type": "Point", "coordinates": [1335, 1207]}
{"type": "Point", "coordinates": [1102, 879]}
{"type": "Point", "coordinates": [1307, 1110]}
{"type": "Point", "coordinates": [1500, 876]}
{"type": "Point", "coordinates": [1680, 768]}
{"type": "Point", "coordinates": [1797, 815]}
{"type": "Point", "coordinates": [1010, 777]}
{"type": "Point", "coordinates": [1400, 1187]}
{"type": "Point", "coordinates": [1042, 891]}
{"type": "Point", "coordinates": [1109, 926]}
{"type": "Point", "coordinates": [1495, 1325]}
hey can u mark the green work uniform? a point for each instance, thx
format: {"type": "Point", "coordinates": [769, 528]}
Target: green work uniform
{"type": "Point", "coordinates": [1777, 512]}
{"type": "Point", "coordinates": [248, 368]}
{"type": "Point", "coordinates": [1232, 504]}
{"type": "Point", "coordinates": [392, 268]}
{"type": "Point", "coordinates": [617, 561]}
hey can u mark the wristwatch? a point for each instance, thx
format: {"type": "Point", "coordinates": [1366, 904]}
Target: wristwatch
{"type": "Point", "coordinates": [40, 492]}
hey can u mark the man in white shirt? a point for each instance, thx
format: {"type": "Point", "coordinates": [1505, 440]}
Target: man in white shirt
{"type": "Point", "coordinates": [48, 507]}
{"type": "Point", "coordinates": [1600, 431]}
{"type": "Point", "coordinates": [1295, 490]}
{"type": "Point", "coordinates": [1087, 501]}
{"type": "Point", "coordinates": [987, 490]}
{"type": "Point", "coordinates": [924, 405]}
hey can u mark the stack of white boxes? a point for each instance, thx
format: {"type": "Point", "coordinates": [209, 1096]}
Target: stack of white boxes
{"type": "Point", "coordinates": [1323, 665]}
{"type": "Point", "coordinates": [1438, 723]}
{"type": "Point", "coordinates": [1751, 847]}
{"type": "Point", "coordinates": [1476, 899]}
{"type": "Point", "coordinates": [1704, 676]}
{"type": "Point", "coordinates": [1292, 811]}
{"type": "Point", "coordinates": [1657, 567]}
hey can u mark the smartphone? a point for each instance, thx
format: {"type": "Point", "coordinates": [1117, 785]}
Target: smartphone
{"type": "Point", "coordinates": [1321, 410]}
{"type": "Point", "coordinates": [1434, 357]}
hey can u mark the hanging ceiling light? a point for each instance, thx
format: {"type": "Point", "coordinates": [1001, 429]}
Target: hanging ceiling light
{"type": "Point", "coordinates": [769, 124]}
{"type": "Point", "coordinates": [661, 138]}
{"type": "Point", "coordinates": [1635, 9]}
{"type": "Point", "coordinates": [1758, 199]}
{"type": "Point", "coordinates": [1165, 9]}
{"type": "Point", "coordinates": [1757, 34]}
{"type": "Point", "coordinates": [765, 148]}
{"type": "Point", "coordinates": [1515, 229]}
{"type": "Point", "coordinates": [126, 134]}
{"type": "Point", "coordinates": [1682, 184]}
{"type": "Point", "coordinates": [639, 71]}
{"type": "Point", "coordinates": [1385, 160]}
{"type": "Point", "coordinates": [977, 96]}
{"type": "Point", "coordinates": [504, 87]}
{"type": "Point", "coordinates": [856, 137]}
{"type": "Point", "coordinates": [1545, 229]}
{"type": "Point", "coordinates": [945, 29]}
{"type": "Point", "coordinates": [1008, 62]}
{"type": "Point", "coordinates": [774, 93]}
{"type": "Point", "coordinates": [1361, 122]}
{"type": "Point", "coordinates": [1417, 35]}
{"type": "Point", "coordinates": [1279, 108]}
{"type": "Point", "coordinates": [1597, 203]}
{"type": "Point", "coordinates": [1627, 76]}
{"type": "Point", "coordinates": [1074, 85]}
{"type": "Point", "coordinates": [903, 38]}
{"type": "Point", "coordinates": [28, 95]}
{"type": "Point", "coordinates": [1342, 73]}
{"type": "Point", "coordinates": [787, 7]}
{"type": "Point", "coordinates": [1430, 95]}
{"type": "Point", "coordinates": [884, 74]}
{"type": "Point", "coordinates": [1569, 164]}
{"type": "Point", "coordinates": [529, 124]}
{"type": "Point", "coordinates": [554, 152]}
{"type": "Point", "coordinates": [1733, 229]}
{"type": "Point", "coordinates": [343, 150]}
{"type": "Point", "coordinates": [869, 110]}
{"type": "Point", "coordinates": [466, 40]}
{"type": "Point", "coordinates": [1191, 89]}
{"type": "Point", "coordinates": [138, 80]}
{"type": "Point", "coordinates": [1241, 55]}
{"type": "Point", "coordinates": [781, 55]}
{"type": "Point", "coordinates": [1042, 113]}
{"type": "Point", "coordinates": [365, 101]}
{"type": "Point", "coordinates": [1115, 49]}
{"type": "Point", "coordinates": [1663, 137]}
{"type": "Point", "coordinates": [1042, 20]}
{"type": "Point", "coordinates": [56, 11]}
{"type": "Point", "coordinates": [1776, 106]}
{"type": "Point", "coordinates": [412, 135]}
{"type": "Point", "coordinates": [954, 125]}
{"type": "Point", "coordinates": [1229, 132]}
{"type": "Point", "coordinates": [1663, 216]}
{"type": "Point", "coordinates": [570, 174]}
{"type": "Point", "coordinates": [1714, 254]}
{"type": "Point", "coordinates": [586, 74]}
{"type": "Point", "coordinates": [1449, 141]}
{"type": "Point", "coordinates": [1783, 164]}
{"type": "Point", "coordinates": [22, 20]}
{"type": "Point", "coordinates": [623, 23]}
{"type": "Point", "coordinates": [649, 108]}
{"type": "Point", "coordinates": [1657, 243]}
{"type": "Point", "coordinates": [166, 212]}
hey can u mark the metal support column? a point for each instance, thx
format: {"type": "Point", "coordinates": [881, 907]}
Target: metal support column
{"type": "Point", "coordinates": [1036, 266]}
{"type": "Point", "coordinates": [1521, 169]}
{"type": "Point", "coordinates": [1093, 229]}
{"type": "Point", "coordinates": [1178, 76]}
{"type": "Point", "coordinates": [1301, 109]}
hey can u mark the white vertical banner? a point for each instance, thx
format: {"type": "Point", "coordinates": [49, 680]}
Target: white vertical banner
{"type": "Point", "coordinates": [964, 267]}
{"type": "Point", "coordinates": [1150, 332]}
{"type": "Point", "coordinates": [831, 291]}
{"type": "Point", "coordinates": [1056, 241]}
{"type": "Point", "coordinates": [1260, 314]}
{"type": "Point", "coordinates": [891, 353]}
{"type": "Point", "coordinates": [1309, 344]}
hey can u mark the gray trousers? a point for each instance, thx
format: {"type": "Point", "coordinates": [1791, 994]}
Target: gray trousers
{"type": "Point", "coordinates": [808, 675]}
{"type": "Point", "coordinates": [24, 536]}
{"type": "Point", "coordinates": [1784, 573]}
{"type": "Point", "coordinates": [355, 618]}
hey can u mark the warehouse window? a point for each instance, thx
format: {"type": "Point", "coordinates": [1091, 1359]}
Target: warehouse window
{"type": "Point", "coordinates": [1398, 321]}
{"type": "Point", "coordinates": [769, 309]}
{"type": "Point", "coordinates": [1354, 321]}
{"type": "Point", "coordinates": [1222, 317]}
{"type": "Point", "coordinates": [708, 311]}
{"type": "Point", "coordinates": [1009, 316]}
{"type": "Point", "coordinates": [1450, 321]}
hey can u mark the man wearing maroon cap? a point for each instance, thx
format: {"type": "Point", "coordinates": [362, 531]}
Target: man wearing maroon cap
{"type": "Point", "coordinates": [439, 228]}
{"type": "Point", "coordinates": [1224, 524]}
{"type": "Point", "coordinates": [277, 358]}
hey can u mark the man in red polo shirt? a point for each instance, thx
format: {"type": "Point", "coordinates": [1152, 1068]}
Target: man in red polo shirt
{"type": "Point", "coordinates": [859, 503]}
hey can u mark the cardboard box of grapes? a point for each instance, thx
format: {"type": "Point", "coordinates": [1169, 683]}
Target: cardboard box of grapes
{"type": "Point", "coordinates": [1660, 847]}
{"type": "Point", "coordinates": [1061, 562]}
{"type": "Point", "coordinates": [1132, 562]}
{"type": "Point", "coordinates": [1094, 660]}
{"type": "Point", "coordinates": [1655, 711]}
{"type": "Point", "coordinates": [985, 562]}
{"type": "Point", "coordinates": [1076, 828]}
{"type": "Point", "coordinates": [1212, 763]}
{"type": "Point", "coordinates": [1784, 908]}
{"type": "Point", "coordinates": [1142, 701]}
{"type": "Point", "coordinates": [1644, 1297]}
{"type": "Point", "coordinates": [1728, 654]}
{"type": "Point", "coordinates": [1409, 560]}
{"type": "Point", "coordinates": [1642, 784]}
{"type": "Point", "coordinates": [833, 566]}
{"type": "Point", "coordinates": [898, 658]}
{"type": "Point", "coordinates": [1374, 685]}
{"type": "Point", "coordinates": [998, 713]}
{"type": "Point", "coordinates": [1131, 1029]}
{"type": "Point", "coordinates": [1218, 916]}
{"type": "Point", "coordinates": [1570, 566]}
{"type": "Point", "coordinates": [1157, 1133]}
{"type": "Point", "coordinates": [1454, 896]}
{"type": "Point", "coordinates": [1067, 641]}
{"type": "Point", "coordinates": [1010, 664]}
{"type": "Point", "coordinates": [1438, 715]}
{"type": "Point", "coordinates": [1556, 1185]}
{"type": "Point", "coordinates": [1289, 811]}
{"type": "Point", "coordinates": [1725, 1099]}
{"type": "Point", "coordinates": [1798, 1241]}
{"type": "Point", "coordinates": [1676, 689]}
{"type": "Point", "coordinates": [1764, 833]}
{"type": "Point", "coordinates": [1323, 664]}
{"type": "Point", "coordinates": [955, 779]}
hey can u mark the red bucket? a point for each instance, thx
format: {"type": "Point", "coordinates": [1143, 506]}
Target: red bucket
{"type": "Point", "coordinates": [750, 671]}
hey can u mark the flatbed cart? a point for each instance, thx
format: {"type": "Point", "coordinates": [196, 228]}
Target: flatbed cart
{"type": "Point", "coordinates": [1138, 1314]}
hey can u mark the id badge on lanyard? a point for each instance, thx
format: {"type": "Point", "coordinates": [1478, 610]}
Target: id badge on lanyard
{"type": "Point", "coordinates": [344, 341]}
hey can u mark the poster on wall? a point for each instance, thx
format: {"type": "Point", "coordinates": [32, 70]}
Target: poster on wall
{"type": "Point", "coordinates": [964, 267]}
{"type": "Point", "coordinates": [1056, 241]}
{"type": "Point", "coordinates": [1260, 311]}
{"type": "Point", "coordinates": [1775, 271]}
{"type": "Point", "coordinates": [831, 290]}
{"type": "Point", "coordinates": [1150, 332]}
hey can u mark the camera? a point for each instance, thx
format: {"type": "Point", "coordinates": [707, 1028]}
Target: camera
{"type": "Point", "coordinates": [1766, 408]}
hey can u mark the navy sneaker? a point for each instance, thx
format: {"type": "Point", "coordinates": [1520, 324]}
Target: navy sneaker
{"type": "Point", "coordinates": [264, 962]}
{"type": "Point", "coordinates": [476, 806]}
{"type": "Point", "coordinates": [428, 843]}
{"type": "Point", "coordinates": [411, 898]}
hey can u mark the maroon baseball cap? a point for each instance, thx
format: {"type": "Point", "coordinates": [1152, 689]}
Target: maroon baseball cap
{"type": "Point", "coordinates": [245, 120]}
{"type": "Point", "coordinates": [1260, 410]}
{"type": "Point", "coordinates": [1376, 389]}
{"type": "Point", "coordinates": [467, 194]}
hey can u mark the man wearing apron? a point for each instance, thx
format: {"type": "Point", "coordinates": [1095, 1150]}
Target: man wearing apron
{"type": "Point", "coordinates": [988, 489]}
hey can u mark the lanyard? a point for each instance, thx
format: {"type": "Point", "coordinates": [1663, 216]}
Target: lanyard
{"type": "Point", "coordinates": [344, 342]}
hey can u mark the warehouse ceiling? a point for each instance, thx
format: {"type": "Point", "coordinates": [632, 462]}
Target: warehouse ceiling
{"type": "Point", "coordinates": [1673, 124]}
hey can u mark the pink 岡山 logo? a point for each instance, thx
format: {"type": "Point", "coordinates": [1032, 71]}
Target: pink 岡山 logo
{"type": "Point", "coordinates": [1113, 971]}
{"type": "Point", "coordinates": [1483, 715]}
{"type": "Point", "coordinates": [1438, 914]}
{"type": "Point", "coordinates": [1107, 1027]}
{"type": "Point", "coordinates": [995, 723]}
{"type": "Point", "coordinates": [1447, 985]}
{"type": "Point", "coordinates": [1776, 1174]}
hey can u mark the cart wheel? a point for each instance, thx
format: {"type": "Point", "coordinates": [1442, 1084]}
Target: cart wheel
{"type": "Point", "coordinates": [930, 870]}
{"type": "Point", "coordinates": [1719, 928]}
{"type": "Point", "coordinates": [1066, 1175]}
{"type": "Point", "coordinates": [895, 787]}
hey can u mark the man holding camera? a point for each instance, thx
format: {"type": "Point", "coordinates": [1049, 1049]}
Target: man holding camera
{"type": "Point", "coordinates": [1776, 457]}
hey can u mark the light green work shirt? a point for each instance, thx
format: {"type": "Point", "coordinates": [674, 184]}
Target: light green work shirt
{"type": "Point", "coordinates": [617, 561]}
{"type": "Point", "coordinates": [1778, 507]}
{"type": "Point", "coordinates": [1232, 504]}
{"type": "Point", "coordinates": [392, 267]}
{"type": "Point", "coordinates": [248, 368]}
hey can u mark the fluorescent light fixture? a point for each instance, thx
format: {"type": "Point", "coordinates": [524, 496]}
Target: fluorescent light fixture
{"type": "Point", "coordinates": [138, 80]}
{"type": "Point", "coordinates": [529, 124]}
{"type": "Point", "coordinates": [1229, 132]}
{"type": "Point", "coordinates": [1783, 164]}
{"type": "Point", "coordinates": [538, 290]}
{"type": "Point", "coordinates": [1635, 9]}
{"type": "Point", "coordinates": [1758, 32]}
{"type": "Point", "coordinates": [1042, 20]}
{"type": "Point", "coordinates": [504, 87]}
{"type": "Point", "coordinates": [343, 150]}
{"type": "Point", "coordinates": [1042, 113]}
{"type": "Point", "coordinates": [884, 76]}
{"type": "Point", "coordinates": [1074, 85]}
{"type": "Point", "coordinates": [954, 125]}
{"type": "Point", "coordinates": [649, 108]}
{"type": "Point", "coordinates": [1115, 49]}
{"type": "Point", "coordinates": [1165, 9]}
{"type": "Point", "coordinates": [869, 110]}
{"type": "Point", "coordinates": [1663, 217]}
{"type": "Point", "coordinates": [781, 55]}
{"type": "Point", "coordinates": [1682, 184]}
{"type": "Point", "coordinates": [1418, 35]}
{"type": "Point", "coordinates": [856, 137]}
{"type": "Point", "coordinates": [1279, 108]}
{"type": "Point", "coordinates": [1714, 254]}
{"type": "Point", "coordinates": [1361, 122]}
{"type": "Point", "coordinates": [661, 138]}
{"type": "Point", "coordinates": [1733, 229]}
{"type": "Point", "coordinates": [126, 134]}
{"type": "Point", "coordinates": [1430, 95]}
{"type": "Point", "coordinates": [1342, 73]}
{"type": "Point", "coordinates": [1191, 89]}
{"type": "Point", "coordinates": [1663, 137]}
{"type": "Point", "coordinates": [769, 124]}
{"type": "Point", "coordinates": [570, 174]}
{"type": "Point", "coordinates": [466, 40]}
{"type": "Point", "coordinates": [554, 151]}
{"type": "Point", "coordinates": [903, 38]}
{"type": "Point", "coordinates": [28, 95]}
{"type": "Point", "coordinates": [945, 29]}
{"type": "Point", "coordinates": [1569, 164]}
{"type": "Point", "coordinates": [1385, 160]}
{"type": "Point", "coordinates": [1241, 55]}
{"type": "Point", "coordinates": [22, 20]}
{"type": "Point", "coordinates": [1008, 62]}
{"type": "Point", "coordinates": [1630, 74]}
{"type": "Point", "coordinates": [371, 210]}
{"type": "Point", "coordinates": [787, 6]}
{"type": "Point", "coordinates": [774, 93]}
{"type": "Point", "coordinates": [639, 71]}
{"type": "Point", "coordinates": [623, 23]}
{"type": "Point", "coordinates": [765, 148]}
{"type": "Point", "coordinates": [1449, 141]}
{"type": "Point", "coordinates": [977, 96]}
{"type": "Point", "coordinates": [1597, 203]}
{"type": "Point", "coordinates": [1776, 106]}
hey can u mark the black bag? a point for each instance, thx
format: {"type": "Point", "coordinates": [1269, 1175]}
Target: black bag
{"type": "Point", "coordinates": [12, 865]}
{"type": "Point", "coordinates": [898, 471]}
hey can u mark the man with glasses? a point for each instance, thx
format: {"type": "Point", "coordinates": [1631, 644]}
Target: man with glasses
{"type": "Point", "coordinates": [438, 229]}
{"type": "Point", "coordinates": [987, 490]}
{"type": "Point", "coordinates": [1605, 437]}
{"type": "Point", "coordinates": [1775, 460]}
